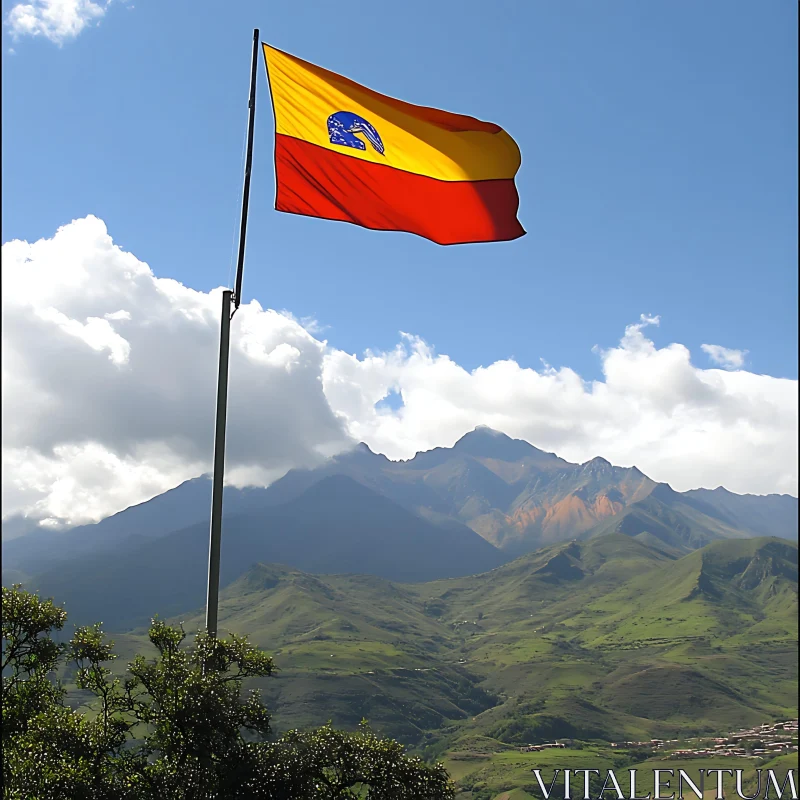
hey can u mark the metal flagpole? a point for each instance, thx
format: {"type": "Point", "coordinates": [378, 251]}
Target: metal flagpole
{"type": "Point", "coordinates": [212, 597]}
{"type": "Point", "coordinates": [228, 298]}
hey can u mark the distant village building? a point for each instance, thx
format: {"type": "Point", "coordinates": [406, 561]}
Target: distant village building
{"type": "Point", "coordinates": [535, 748]}
{"type": "Point", "coordinates": [773, 738]}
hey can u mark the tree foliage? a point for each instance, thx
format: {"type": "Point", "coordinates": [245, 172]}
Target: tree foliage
{"type": "Point", "coordinates": [178, 726]}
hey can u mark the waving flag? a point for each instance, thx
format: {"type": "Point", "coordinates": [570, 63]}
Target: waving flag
{"type": "Point", "coordinates": [344, 152]}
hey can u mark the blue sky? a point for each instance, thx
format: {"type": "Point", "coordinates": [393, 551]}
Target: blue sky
{"type": "Point", "coordinates": [659, 175]}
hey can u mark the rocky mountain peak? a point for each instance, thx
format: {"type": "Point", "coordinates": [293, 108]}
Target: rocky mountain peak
{"type": "Point", "coordinates": [485, 442]}
{"type": "Point", "coordinates": [596, 464]}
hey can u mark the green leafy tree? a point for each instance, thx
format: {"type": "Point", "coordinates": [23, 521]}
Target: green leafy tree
{"type": "Point", "coordinates": [49, 751]}
{"type": "Point", "coordinates": [329, 764]}
{"type": "Point", "coordinates": [178, 726]}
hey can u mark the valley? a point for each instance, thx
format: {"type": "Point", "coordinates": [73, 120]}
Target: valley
{"type": "Point", "coordinates": [595, 642]}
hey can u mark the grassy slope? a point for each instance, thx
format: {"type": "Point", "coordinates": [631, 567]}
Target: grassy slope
{"type": "Point", "coordinates": [598, 640]}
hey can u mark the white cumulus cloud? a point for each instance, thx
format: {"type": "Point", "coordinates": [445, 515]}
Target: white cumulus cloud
{"type": "Point", "coordinates": [56, 20]}
{"type": "Point", "coordinates": [109, 381]}
{"type": "Point", "coordinates": [724, 356]}
{"type": "Point", "coordinates": [109, 376]}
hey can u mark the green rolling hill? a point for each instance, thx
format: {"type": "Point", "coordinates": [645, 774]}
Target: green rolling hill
{"type": "Point", "coordinates": [607, 638]}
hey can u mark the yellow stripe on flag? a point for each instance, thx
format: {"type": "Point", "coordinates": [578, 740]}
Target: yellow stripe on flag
{"type": "Point", "coordinates": [424, 141]}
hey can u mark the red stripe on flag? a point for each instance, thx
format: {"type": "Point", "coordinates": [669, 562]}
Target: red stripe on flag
{"type": "Point", "coordinates": [317, 182]}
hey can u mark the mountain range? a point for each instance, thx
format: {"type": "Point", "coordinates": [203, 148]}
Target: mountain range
{"type": "Point", "coordinates": [520, 498]}
{"type": "Point", "coordinates": [447, 512]}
